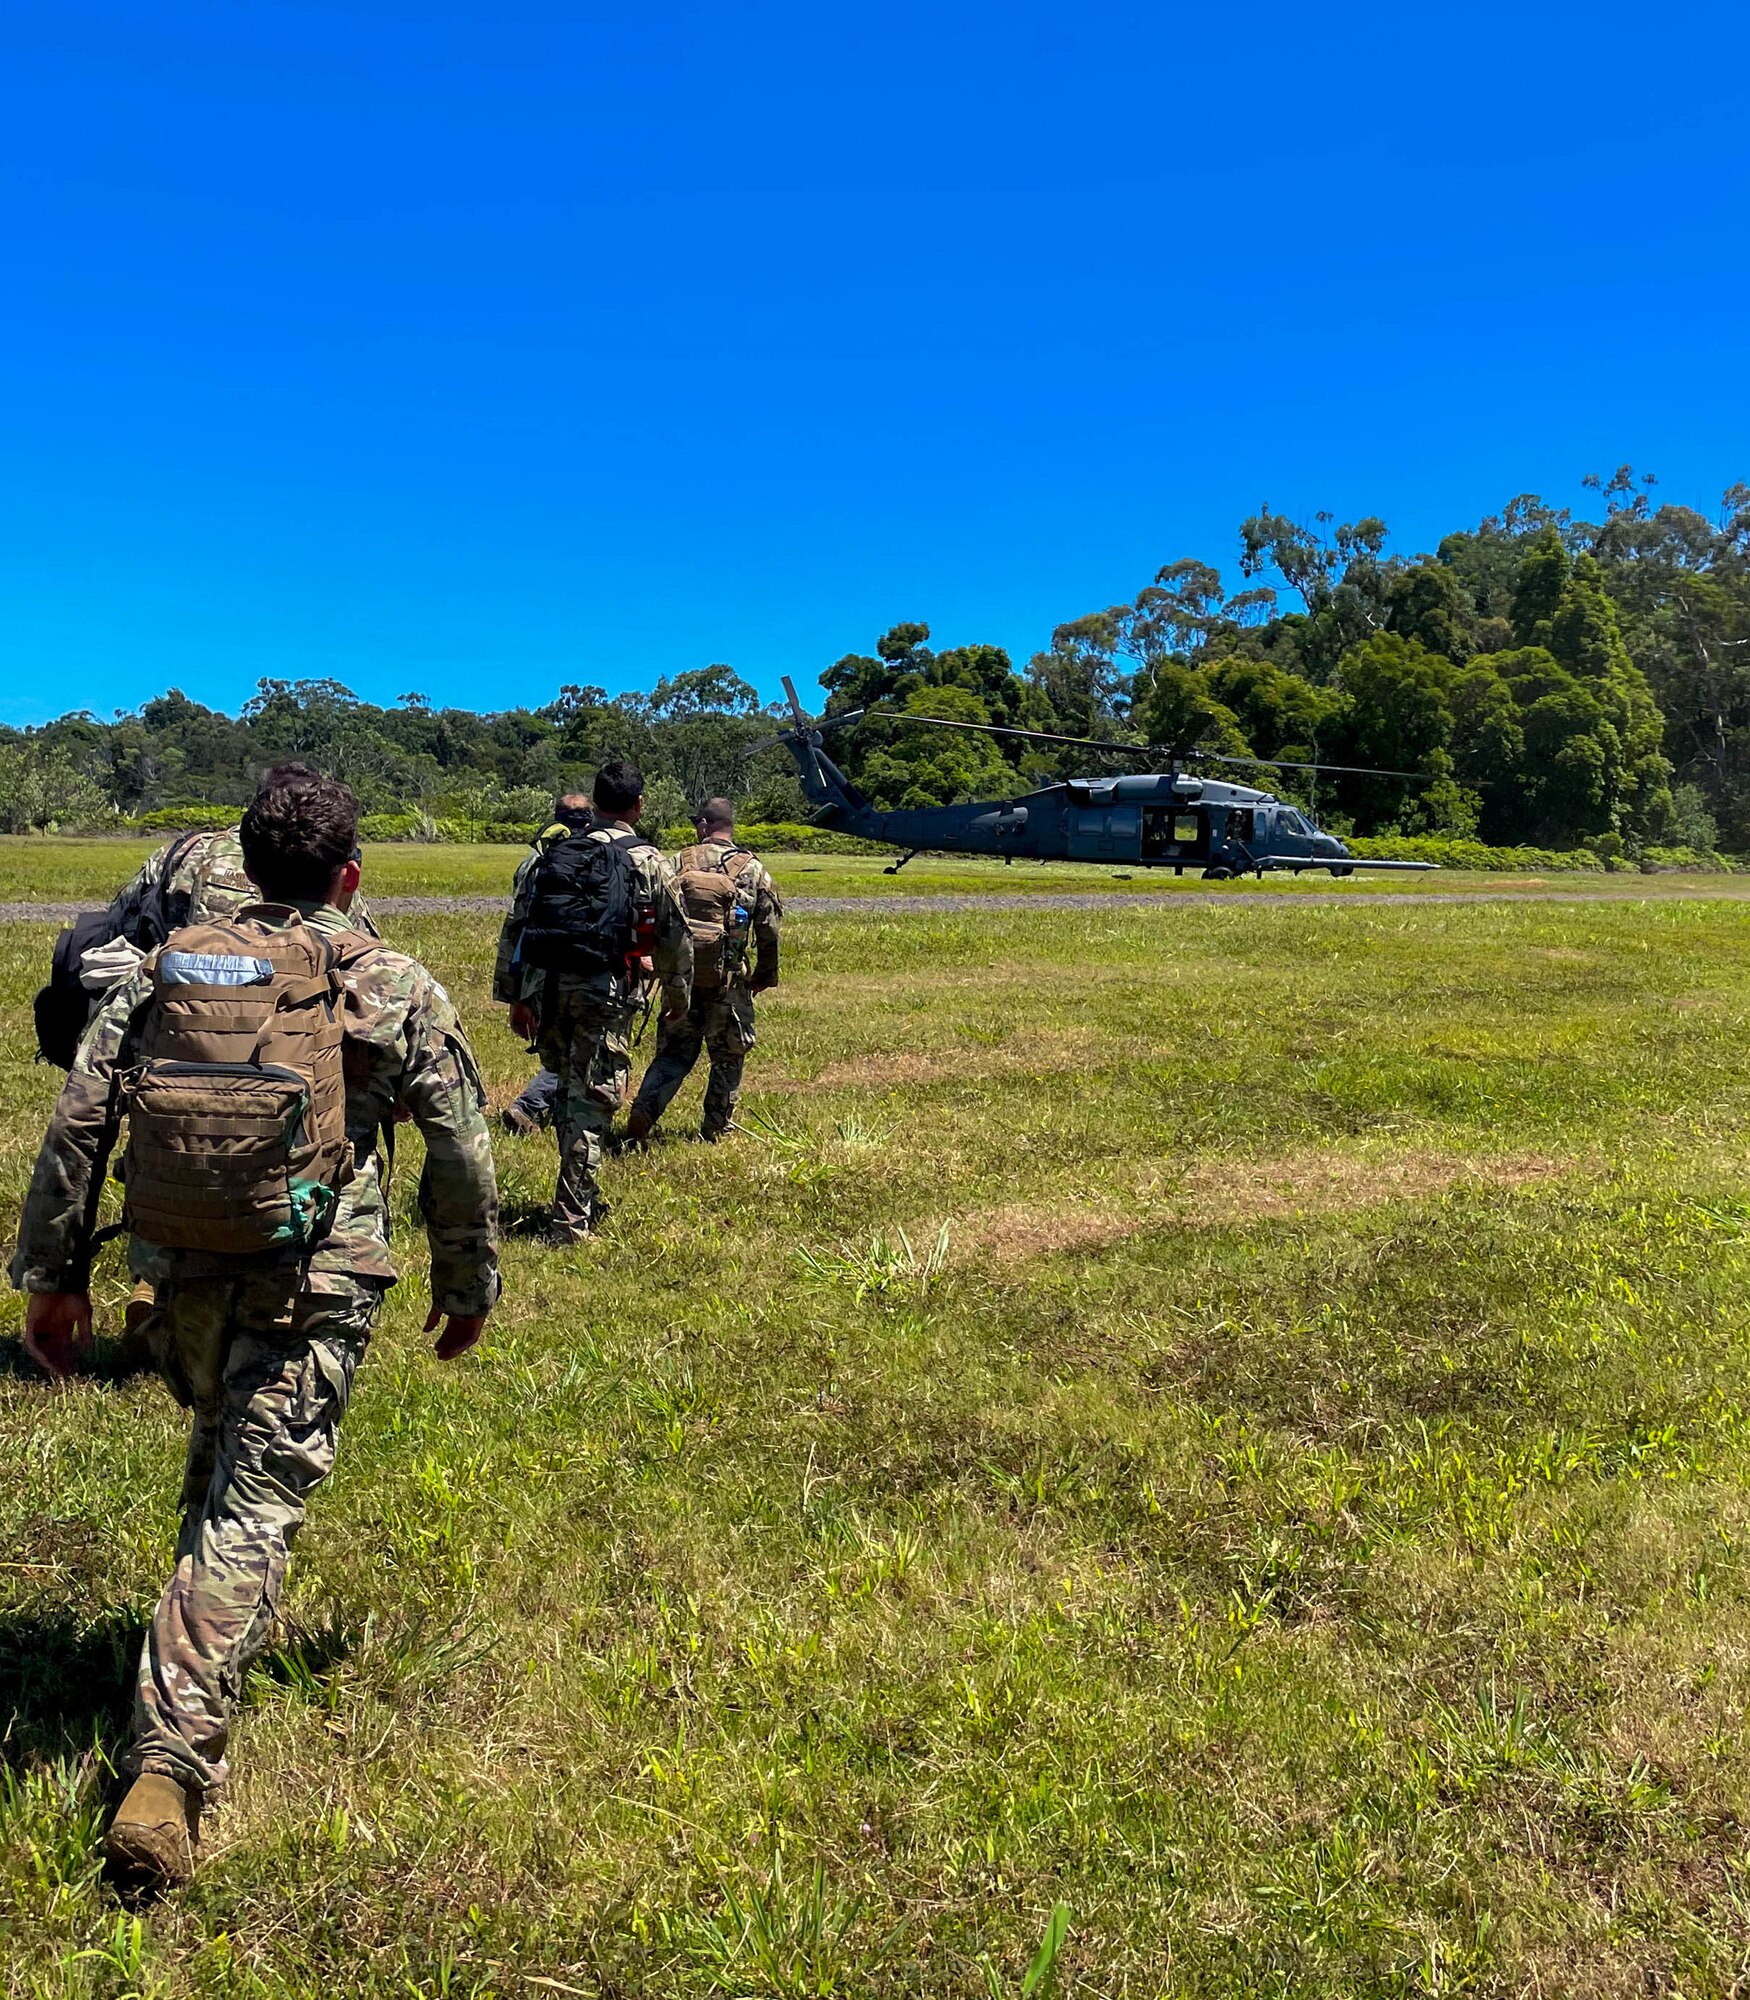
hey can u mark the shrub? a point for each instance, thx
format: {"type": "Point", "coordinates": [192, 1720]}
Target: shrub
{"type": "Point", "coordinates": [187, 819]}
{"type": "Point", "coordinates": [393, 826]}
{"type": "Point", "coordinates": [787, 836]}
{"type": "Point", "coordinates": [1692, 860]}
{"type": "Point", "coordinates": [1689, 824]}
{"type": "Point", "coordinates": [776, 837]}
{"type": "Point", "coordinates": [1447, 852]}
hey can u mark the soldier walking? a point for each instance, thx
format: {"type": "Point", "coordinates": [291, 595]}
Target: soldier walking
{"type": "Point", "coordinates": [586, 916]}
{"type": "Point", "coordinates": [257, 1060]}
{"type": "Point", "coordinates": [196, 878]}
{"type": "Point", "coordinates": [729, 900]}
{"type": "Point", "coordinates": [533, 1110]}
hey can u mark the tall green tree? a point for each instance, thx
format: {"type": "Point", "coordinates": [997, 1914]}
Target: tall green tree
{"type": "Point", "coordinates": [911, 765]}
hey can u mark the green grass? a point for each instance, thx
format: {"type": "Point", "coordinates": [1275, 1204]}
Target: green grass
{"type": "Point", "coordinates": [1236, 1428]}
{"type": "Point", "coordinates": [42, 870]}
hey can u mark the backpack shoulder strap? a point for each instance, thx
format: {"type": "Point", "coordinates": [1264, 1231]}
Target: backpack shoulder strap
{"type": "Point", "coordinates": [345, 947]}
{"type": "Point", "coordinates": [178, 852]}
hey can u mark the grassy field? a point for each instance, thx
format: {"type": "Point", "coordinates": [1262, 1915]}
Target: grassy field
{"type": "Point", "coordinates": [1238, 1428]}
{"type": "Point", "coordinates": [89, 870]}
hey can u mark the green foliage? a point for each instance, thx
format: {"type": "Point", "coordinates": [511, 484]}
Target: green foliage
{"type": "Point", "coordinates": [667, 804]}
{"type": "Point", "coordinates": [1474, 855]}
{"type": "Point", "coordinates": [1680, 859]}
{"type": "Point", "coordinates": [1538, 583]}
{"type": "Point", "coordinates": [186, 819]}
{"type": "Point", "coordinates": [1689, 823]}
{"type": "Point", "coordinates": [41, 789]}
{"type": "Point", "coordinates": [1546, 677]}
{"type": "Point", "coordinates": [929, 767]}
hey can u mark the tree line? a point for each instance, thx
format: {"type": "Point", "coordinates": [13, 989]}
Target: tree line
{"type": "Point", "coordinates": [1540, 678]}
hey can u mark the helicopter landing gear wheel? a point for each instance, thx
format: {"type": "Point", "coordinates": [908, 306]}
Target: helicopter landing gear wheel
{"type": "Point", "coordinates": [1218, 874]}
{"type": "Point", "coordinates": [1342, 873]}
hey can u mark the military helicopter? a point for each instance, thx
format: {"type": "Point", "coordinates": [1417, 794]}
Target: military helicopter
{"type": "Point", "coordinates": [1161, 819]}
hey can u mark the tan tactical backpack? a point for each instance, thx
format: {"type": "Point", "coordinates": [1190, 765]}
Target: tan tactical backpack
{"type": "Point", "coordinates": [718, 914]}
{"type": "Point", "coordinates": [237, 1119]}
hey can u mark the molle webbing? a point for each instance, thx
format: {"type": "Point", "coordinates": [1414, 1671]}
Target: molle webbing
{"type": "Point", "coordinates": [237, 1118]}
{"type": "Point", "coordinates": [709, 889]}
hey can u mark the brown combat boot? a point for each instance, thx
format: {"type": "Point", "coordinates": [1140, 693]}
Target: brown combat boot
{"type": "Point", "coordinates": [155, 1835]}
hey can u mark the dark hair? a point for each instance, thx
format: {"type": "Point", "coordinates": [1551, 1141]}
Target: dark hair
{"type": "Point", "coordinates": [572, 809]}
{"type": "Point", "coordinates": [286, 774]}
{"type": "Point", "coordinates": [298, 830]}
{"type": "Point", "coordinates": [618, 786]}
{"type": "Point", "coordinates": [717, 812]}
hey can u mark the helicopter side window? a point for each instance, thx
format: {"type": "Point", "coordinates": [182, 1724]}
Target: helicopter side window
{"type": "Point", "coordinates": [1186, 828]}
{"type": "Point", "coordinates": [1239, 822]}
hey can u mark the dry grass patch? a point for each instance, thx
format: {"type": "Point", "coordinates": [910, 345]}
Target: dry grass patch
{"type": "Point", "coordinates": [1234, 1189]}
{"type": "Point", "coordinates": [1317, 1183]}
{"type": "Point", "coordinates": [1021, 1230]}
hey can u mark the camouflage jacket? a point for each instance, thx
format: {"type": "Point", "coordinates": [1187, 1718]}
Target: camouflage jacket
{"type": "Point", "coordinates": [759, 893]}
{"type": "Point", "coordinates": [406, 1057]}
{"type": "Point", "coordinates": [671, 952]}
{"type": "Point", "coordinates": [197, 878]}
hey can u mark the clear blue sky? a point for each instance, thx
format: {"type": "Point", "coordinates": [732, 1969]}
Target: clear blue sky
{"type": "Point", "coordinates": [473, 349]}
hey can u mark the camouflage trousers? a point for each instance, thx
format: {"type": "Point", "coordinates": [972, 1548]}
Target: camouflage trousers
{"type": "Point", "coordinates": [719, 1022]}
{"type": "Point", "coordinates": [589, 1048]}
{"type": "Point", "coordinates": [267, 1373]}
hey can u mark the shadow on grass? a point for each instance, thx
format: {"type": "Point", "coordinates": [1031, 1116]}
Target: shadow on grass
{"type": "Point", "coordinates": [66, 1683]}
{"type": "Point", "coordinates": [523, 1218]}
{"type": "Point", "coordinates": [114, 1363]}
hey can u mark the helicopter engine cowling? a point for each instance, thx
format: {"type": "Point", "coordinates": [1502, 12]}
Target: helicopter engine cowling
{"type": "Point", "coordinates": [1005, 822]}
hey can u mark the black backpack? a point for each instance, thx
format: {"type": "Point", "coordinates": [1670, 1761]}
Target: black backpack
{"type": "Point", "coordinates": [63, 1008]}
{"type": "Point", "coordinates": [583, 909]}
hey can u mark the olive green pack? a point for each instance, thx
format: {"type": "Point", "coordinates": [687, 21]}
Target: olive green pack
{"type": "Point", "coordinates": [236, 1120]}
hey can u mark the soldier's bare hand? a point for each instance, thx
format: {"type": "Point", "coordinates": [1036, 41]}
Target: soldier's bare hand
{"type": "Point", "coordinates": [523, 1021]}
{"type": "Point", "coordinates": [57, 1331]}
{"type": "Point", "coordinates": [462, 1331]}
{"type": "Point", "coordinates": [673, 1016]}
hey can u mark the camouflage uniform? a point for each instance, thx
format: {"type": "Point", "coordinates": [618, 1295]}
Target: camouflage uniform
{"type": "Point", "coordinates": [264, 1353]}
{"type": "Point", "coordinates": [720, 1019]}
{"type": "Point", "coordinates": [197, 878]}
{"type": "Point", "coordinates": [585, 1023]}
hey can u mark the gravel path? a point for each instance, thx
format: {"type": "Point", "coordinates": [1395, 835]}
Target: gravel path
{"type": "Point", "coordinates": [1632, 889]}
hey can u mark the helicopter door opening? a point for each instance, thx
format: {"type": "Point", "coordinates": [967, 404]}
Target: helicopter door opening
{"type": "Point", "coordinates": [1174, 835]}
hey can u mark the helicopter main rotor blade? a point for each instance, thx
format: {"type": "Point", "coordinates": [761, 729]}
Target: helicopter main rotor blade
{"type": "Point", "coordinates": [1006, 729]}
{"type": "Point", "coordinates": [1138, 749]}
{"type": "Point", "coordinates": [1282, 764]}
{"type": "Point", "coordinates": [795, 700]}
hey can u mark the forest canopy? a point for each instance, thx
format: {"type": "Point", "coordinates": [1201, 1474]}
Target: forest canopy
{"type": "Point", "coordinates": [1551, 679]}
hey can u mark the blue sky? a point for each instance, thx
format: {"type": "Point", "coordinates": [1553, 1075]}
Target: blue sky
{"type": "Point", "coordinates": [476, 349]}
